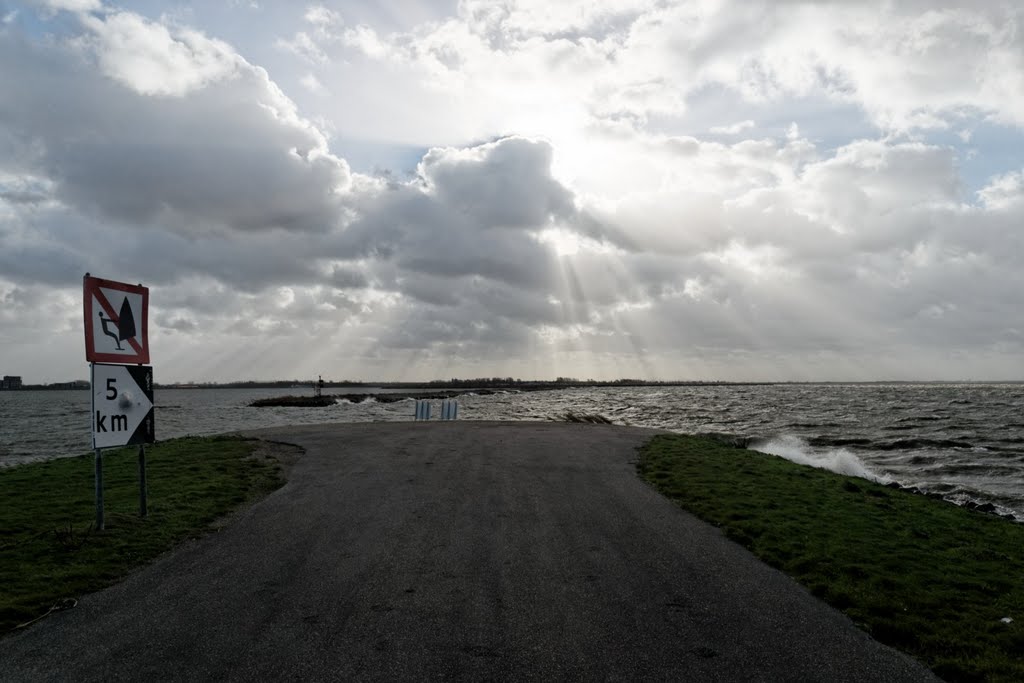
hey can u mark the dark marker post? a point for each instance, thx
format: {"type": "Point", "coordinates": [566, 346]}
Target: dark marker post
{"type": "Point", "coordinates": [98, 461]}
{"type": "Point", "coordinates": [142, 480]}
{"type": "Point", "coordinates": [142, 458]}
{"type": "Point", "coordinates": [99, 489]}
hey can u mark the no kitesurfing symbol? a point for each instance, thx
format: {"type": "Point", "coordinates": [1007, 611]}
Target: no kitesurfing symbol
{"type": "Point", "coordinates": [124, 326]}
{"type": "Point", "coordinates": [116, 322]}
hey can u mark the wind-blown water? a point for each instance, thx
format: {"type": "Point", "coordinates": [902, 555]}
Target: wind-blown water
{"type": "Point", "coordinates": [963, 441]}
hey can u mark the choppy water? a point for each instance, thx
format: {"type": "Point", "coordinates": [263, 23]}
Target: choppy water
{"type": "Point", "coordinates": [965, 441]}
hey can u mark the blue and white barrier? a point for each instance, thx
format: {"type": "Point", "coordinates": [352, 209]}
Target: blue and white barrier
{"type": "Point", "coordinates": [449, 409]}
{"type": "Point", "coordinates": [422, 410]}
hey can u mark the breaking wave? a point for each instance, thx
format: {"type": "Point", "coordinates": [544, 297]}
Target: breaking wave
{"type": "Point", "coordinates": [838, 460]}
{"type": "Point", "coordinates": [915, 444]}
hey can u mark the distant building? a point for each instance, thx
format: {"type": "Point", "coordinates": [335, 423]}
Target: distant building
{"type": "Point", "coordinates": [75, 384]}
{"type": "Point", "coordinates": [11, 382]}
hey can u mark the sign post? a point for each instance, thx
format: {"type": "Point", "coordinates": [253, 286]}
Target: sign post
{"type": "Point", "coordinates": [98, 476]}
{"type": "Point", "coordinates": [117, 331]}
{"type": "Point", "coordinates": [142, 481]}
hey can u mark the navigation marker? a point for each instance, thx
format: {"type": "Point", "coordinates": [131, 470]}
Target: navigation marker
{"type": "Point", "coordinates": [122, 405]}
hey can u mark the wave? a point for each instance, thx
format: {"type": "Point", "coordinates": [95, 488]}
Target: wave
{"type": "Point", "coordinates": [838, 441]}
{"type": "Point", "coordinates": [975, 470]}
{"type": "Point", "coordinates": [838, 460]}
{"type": "Point", "coordinates": [814, 425]}
{"type": "Point", "coordinates": [914, 444]}
{"type": "Point", "coordinates": [894, 445]}
{"type": "Point", "coordinates": [969, 497]}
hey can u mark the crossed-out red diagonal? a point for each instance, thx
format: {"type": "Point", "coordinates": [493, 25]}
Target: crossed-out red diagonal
{"type": "Point", "coordinates": [138, 345]}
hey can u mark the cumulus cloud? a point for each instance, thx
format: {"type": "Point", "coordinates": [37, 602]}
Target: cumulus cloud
{"type": "Point", "coordinates": [195, 156]}
{"type": "Point", "coordinates": [906, 65]}
{"type": "Point", "coordinates": [70, 5]}
{"type": "Point", "coordinates": [470, 214]}
{"type": "Point", "coordinates": [148, 58]}
{"type": "Point", "coordinates": [322, 27]}
{"type": "Point", "coordinates": [305, 46]}
{"type": "Point", "coordinates": [1004, 191]}
{"type": "Point", "coordinates": [311, 83]}
{"type": "Point", "coordinates": [733, 129]}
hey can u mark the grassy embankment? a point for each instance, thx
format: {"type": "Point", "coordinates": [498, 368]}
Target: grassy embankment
{"type": "Point", "coordinates": [49, 550]}
{"type": "Point", "coordinates": [924, 576]}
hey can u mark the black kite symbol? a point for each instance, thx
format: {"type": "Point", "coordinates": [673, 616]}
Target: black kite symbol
{"type": "Point", "coordinates": [125, 325]}
{"type": "Point", "coordinates": [125, 321]}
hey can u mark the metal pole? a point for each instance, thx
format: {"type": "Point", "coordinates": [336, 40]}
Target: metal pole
{"type": "Point", "coordinates": [98, 462]}
{"type": "Point", "coordinates": [142, 480]}
{"type": "Point", "coordinates": [99, 489]}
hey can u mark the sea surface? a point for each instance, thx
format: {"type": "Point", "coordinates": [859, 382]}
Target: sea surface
{"type": "Point", "coordinates": [962, 441]}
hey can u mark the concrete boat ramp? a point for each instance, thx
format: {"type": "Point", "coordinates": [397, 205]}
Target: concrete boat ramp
{"type": "Point", "coordinates": [456, 551]}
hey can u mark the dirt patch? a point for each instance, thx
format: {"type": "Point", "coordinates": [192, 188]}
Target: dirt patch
{"type": "Point", "coordinates": [285, 454]}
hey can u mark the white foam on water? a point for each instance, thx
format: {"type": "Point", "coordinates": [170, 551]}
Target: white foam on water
{"type": "Point", "coordinates": [838, 460]}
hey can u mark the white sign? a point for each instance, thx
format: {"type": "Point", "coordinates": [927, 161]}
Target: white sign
{"type": "Point", "coordinates": [122, 405]}
{"type": "Point", "coordinates": [116, 321]}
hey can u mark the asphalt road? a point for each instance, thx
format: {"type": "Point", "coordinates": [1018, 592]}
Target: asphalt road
{"type": "Point", "coordinates": [456, 551]}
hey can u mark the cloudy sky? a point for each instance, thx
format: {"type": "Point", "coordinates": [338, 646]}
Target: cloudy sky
{"type": "Point", "coordinates": [418, 189]}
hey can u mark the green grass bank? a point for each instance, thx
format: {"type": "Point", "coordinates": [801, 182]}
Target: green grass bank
{"type": "Point", "coordinates": [924, 576]}
{"type": "Point", "coordinates": [49, 550]}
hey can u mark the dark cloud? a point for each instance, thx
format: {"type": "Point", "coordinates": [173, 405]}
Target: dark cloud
{"type": "Point", "coordinates": [229, 155]}
{"type": "Point", "coordinates": [507, 183]}
{"type": "Point", "coordinates": [456, 219]}
{"type": "Point", "coordinates": [180, 324]}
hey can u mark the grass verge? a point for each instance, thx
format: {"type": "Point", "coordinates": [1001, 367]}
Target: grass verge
{"type": "Point", "coordinates": [924, 576]}
{"type": "Point", "coordinates": [49, 550]}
